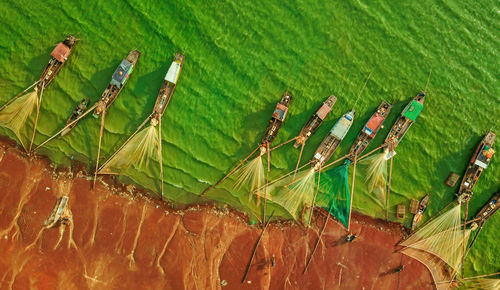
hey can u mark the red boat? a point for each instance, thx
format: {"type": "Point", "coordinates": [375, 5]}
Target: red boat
{"type": "Point", "coordinates": [59, 56]}
{"type": "Point", "coordinates": [370, 130]}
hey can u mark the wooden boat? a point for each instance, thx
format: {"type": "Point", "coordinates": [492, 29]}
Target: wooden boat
{"type": "Point", "coordinates": [276, 121]}
{"type": "Point", "coordinates": [59, 56]}
{"type": "Point", "coordinates": [478, 163]}
{"type": "Point", "coordinates": [58, 214]}
{"type": "Point", "coordinates": [404, 122]}
{"type": "Point", "coordinates": [370, 130]}
{"type": "Point", "coordinates": [421, 209]}
{"type": "Point", "coordinates": [332, 140]}
{"type": "Point", "coordinates": [487, 211]}
{"type": "Point", "coordinates": [79, 110]}
{"type": "Point", "coordinates": [167, 88]}
{"type": "Point", "coordinates": [120, 77]}
{"type": "Point", "coordinates": [315, 121]}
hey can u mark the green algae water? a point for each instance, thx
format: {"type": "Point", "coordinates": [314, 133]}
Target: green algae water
{"type": "Point", "coordinates": [240, 58]}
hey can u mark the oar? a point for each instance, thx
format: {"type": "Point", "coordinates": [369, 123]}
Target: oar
{"type": "Point", "coordinates": [18, 95]}
{"type": "Point", "coordinates": [126, 142]}
{"type": "Point", "coordinates": [352, 193]}
{"type": "Point", "coordinates": [99, 147]}
{"type": "Point", "coordinates": [255, 248]}
{"type": "Point", "coordinates": [39, 103]}
{"type": "Point", "coordinates": [65, 127]}
{"type": "Point", "coordinates": [231, 172]}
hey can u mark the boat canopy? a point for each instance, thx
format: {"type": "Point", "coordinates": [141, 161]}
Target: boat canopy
{"type": "Point", "coordinates": [173, 72]}
{"type": "Point", "coordinates": [61, 52]}
{"type": "Point", "coordinates": [413, 110]}
{"type": "Point", "coordinates": [280, 112]}
{"type": "Point", "coordinates": [323, 111]}
{"type": "Point", "coordinates": [121, 73]}
{"type": "Point", "coordinates": [373, 124]}
{"type": "Point", "coordinates": [342, 127]}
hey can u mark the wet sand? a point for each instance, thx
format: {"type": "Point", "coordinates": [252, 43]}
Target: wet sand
{"type": "Point", "coordinates": [119, 239]}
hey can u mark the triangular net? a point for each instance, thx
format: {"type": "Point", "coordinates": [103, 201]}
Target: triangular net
{"type": "Point", "coordinates": [443, 237]}
{"type": "Point", "coordinates": [334, 194]}
{"type": "Point", "coordinates": [483, 283]}
{"type": "Point", "coordinates": [376, 176]}
{"type": "Point", "coordinates": [14, 115]}
{"type": "Point", "coordinates": [252, 173]}
{"type": "Point", "coordinates": [136, 152]}
{"type": "Point", "coordinates": [293, 194]}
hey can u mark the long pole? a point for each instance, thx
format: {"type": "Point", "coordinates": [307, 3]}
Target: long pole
{"type": "Point", "coordinates": [317, 243]}
{"type": "Point", "coordinates": [65, 127]}
{"type": "Point", "coordinates": [18, 95]}
{"type": "Point", "coordinates": [388, 193]}
{"type": "Point", "coordinates": [231, 172]}
{"type": "Point", "coordinates": [463, 234]}
{"type": "Point", "coordinates": [160, 156]}
{"type": "Point", "coordinates": [39, 103]}
{"type": "Point", "coordinates": [298, 161]}
{"type": "Point", "coordinates": [99, 147]}
{"type": "Point", "coordinates": [314, 198]}
{"type": "Point", "coordinates": [352, 193]}
{"type": "Point", "coordinates": [255, 248]}
{"type": "Point", "coordinates": [284, 143]}
{"type": "Point", "coordinates": [267, 182]}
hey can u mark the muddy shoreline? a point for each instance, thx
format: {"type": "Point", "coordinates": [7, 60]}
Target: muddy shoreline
{"type": "Point", "coordinates": [118, 237]}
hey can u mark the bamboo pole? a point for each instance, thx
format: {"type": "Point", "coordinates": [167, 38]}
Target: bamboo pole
{"type": "Point", "coordinates": [352, 193]}
{"type": "Point", "coordinates": [35, 123]}
{"type": "Point", "coordinates": [99, 147]}
{"type": "Point", "coordinates": [160, 156]}
{"type": "Point", "coordinates": [284, 143]}
{"type": "Point", "coordinates": [255, 248]}
{"type": "Point", "coordinates": [65, 127]}
{"type": "Point", "coordinates": [388, 192]}
{"type": "Point", "coordinates": [18, 95]}
{"type": "Point", "coordinates": [314, 198]}
{"type": "Point", "coordinates": [463, 234]}
{"type": "Point", "coordinates": [298, 161]}
{"type": "Point", "coordinates": [267, 182]}
{"type": "Point", "coordinates": [317, 243]}
{"type": "Point", "coordinates": [231, 172]}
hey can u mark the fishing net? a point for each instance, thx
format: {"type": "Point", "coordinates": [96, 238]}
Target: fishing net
{"type": "Point", "coordinates": [334, 194]}
{"type": "Point", "coordinates": [14, 115]}
{"type": "Point", "coordinates": [483, 283]}
{"type": "Point", "coordinates": [376, 176]}
{"type": "Point", "coordinates": [137, 151]}
{"type": "Point", "coordinates": [293, 193]}
{"type": "Point", "coordinates": [443, 237]}
{"type": "Point", "coordinates": [251, 173]}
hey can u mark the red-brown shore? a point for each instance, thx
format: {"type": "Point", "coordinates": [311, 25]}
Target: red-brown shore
{"type": "Point", "coordinates": [119, 240]}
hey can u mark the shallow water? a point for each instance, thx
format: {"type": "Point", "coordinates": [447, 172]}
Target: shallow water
{"type": "Point", "coordinates": [240, 57]}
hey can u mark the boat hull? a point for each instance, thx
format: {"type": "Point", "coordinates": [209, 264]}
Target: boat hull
{"type": "Point", "coordinates": [276, 120]}
{"type": "Point", "coordinates": [478, 163]}
{"type": "Point", "coordinates": [315, 121]}
{"type": "Point", "coordinates": [55, 65]}
{"type": "Point", "coordinates": [370, 130]}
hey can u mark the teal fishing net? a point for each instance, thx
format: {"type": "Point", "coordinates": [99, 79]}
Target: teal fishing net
{"type": "Point", "coordinates": [334, 194]}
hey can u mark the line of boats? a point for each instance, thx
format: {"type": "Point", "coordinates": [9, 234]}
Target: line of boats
{"type": "Point", "coordinates": [325, 150]}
